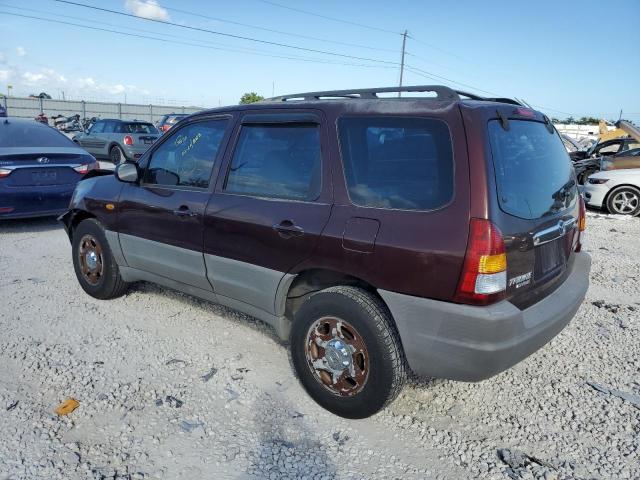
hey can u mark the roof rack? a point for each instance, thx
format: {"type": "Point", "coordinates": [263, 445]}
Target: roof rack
{"type": "Point", "coordinates": [442, 93]}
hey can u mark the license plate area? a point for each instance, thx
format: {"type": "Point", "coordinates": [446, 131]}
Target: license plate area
{"type": "Point", "coordinates": [550, 257]}
{"type": "Point", "coordinates": [44, 177]}
{"type": "Point", "coordinates": [148, 141]}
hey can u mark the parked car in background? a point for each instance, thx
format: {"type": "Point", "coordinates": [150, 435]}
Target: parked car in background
{"type": "Point", "coordinates": [375, 234]}
{"type": "Point", "coordinates": [616, 190]}
{"type": "Point", "coordinates": [570, 144]}
{"type": "Point", "coordinates": [621, 161]}
{"type": "Point", "coordinates": [610, 147]}
{"type": "Point", "coordinates": [39, 169]}
{"type": "Point", "coordinates": [599, 154]}
{"type": "Point", "coordinates": [118, 140]}
{"type": "Point", "coordinates": [169, 121]}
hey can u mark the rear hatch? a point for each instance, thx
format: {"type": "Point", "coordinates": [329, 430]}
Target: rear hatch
{"type": "Point", "coordinates": [142, 133]}
{"type": "Point", "coordinates": [43, 168]}
{"type": "Point", "coordinates": [537, 207]}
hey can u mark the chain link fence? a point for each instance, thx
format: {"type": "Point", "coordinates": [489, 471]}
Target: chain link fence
{"type": "Point", "coordinates": [28, 107]}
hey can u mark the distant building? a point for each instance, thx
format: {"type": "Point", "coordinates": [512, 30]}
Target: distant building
{"type": "Point", "coordinates": [578, 132]}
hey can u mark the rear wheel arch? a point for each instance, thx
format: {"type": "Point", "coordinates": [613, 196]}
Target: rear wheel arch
{"type": "Point", "coordinates": [312, 280]}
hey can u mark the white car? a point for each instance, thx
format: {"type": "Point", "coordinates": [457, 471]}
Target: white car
{"type": "Point", "coordinates": [616, 190]}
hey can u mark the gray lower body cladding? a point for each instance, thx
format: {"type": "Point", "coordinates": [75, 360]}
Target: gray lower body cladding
{"type": "Point", "coordinates": [468, 343]}
{"type": "Point", "coordinates": [256, 291]}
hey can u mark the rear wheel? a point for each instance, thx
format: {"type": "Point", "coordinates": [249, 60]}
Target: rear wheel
{"type": "Point", "coordinates": [347, 353]}
{"type": "Point", "coordinates": [93, 262]}
{"type": "Point", "coordinates": [624, 201]}
{"type": "Point", "coordinates": [116, 155]}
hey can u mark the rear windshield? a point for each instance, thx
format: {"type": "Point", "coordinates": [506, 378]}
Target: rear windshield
{"type": "Point", "coordinates": [136, 127]}
{"type": "Point", "coordinates": [401, 163]}
{"type": "Point", "coordinates": [21, 133]}
{"type": "Point", "coordinates": [534, 175]}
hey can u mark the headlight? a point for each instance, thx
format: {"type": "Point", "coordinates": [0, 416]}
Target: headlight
{"type": "Point", "coordinates": [597, 181]}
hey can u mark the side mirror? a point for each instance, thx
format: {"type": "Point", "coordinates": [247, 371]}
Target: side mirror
{"type": "Point", "coordinates": [127, 172]}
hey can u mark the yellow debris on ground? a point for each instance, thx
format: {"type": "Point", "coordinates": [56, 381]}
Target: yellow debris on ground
{"type": "Point", "coordinates": [68, 406]}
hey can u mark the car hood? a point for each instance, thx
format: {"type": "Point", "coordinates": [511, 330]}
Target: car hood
{"type": "Point", "coordinates": [629, 172]}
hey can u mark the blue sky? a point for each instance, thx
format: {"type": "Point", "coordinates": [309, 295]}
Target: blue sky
{"type": "Point", "coordinates": [567, 57]}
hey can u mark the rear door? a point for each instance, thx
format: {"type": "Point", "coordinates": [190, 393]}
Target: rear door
{"type": "Point", "coordinates": [160, 219]}
{"type": "Point", "coordinates": [270, 205]}
{"type": "Point", "coordinates": [535, 203]}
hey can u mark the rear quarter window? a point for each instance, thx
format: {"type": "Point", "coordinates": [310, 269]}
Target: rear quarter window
{"type": "Point", "coordinates": [403, 163]}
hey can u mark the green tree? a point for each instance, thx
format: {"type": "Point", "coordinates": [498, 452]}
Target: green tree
{"type": "Point", "coordinates": [250, 97]}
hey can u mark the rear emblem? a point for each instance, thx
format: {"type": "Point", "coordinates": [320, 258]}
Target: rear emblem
{"type": "Point", "coordinates": [42, 160]}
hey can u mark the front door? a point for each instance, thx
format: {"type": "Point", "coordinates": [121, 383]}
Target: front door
{"type": "Point", "coordinates": [91, 141]}
{"type": "Point", "coordinates": [269, 208]}
{"type": "Point", "coordinates": [160, 218]}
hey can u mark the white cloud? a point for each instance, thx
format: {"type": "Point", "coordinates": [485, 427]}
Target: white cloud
{"type": "Point", "coordinates": [3, 58]}
{"type": "Point", "coordinates": [45, 77]}
{"type": "Point", "coordinates": [147, 9]}
{"type": "Point", "coordinates": [4, 75]}
{"type": "Point", "coordinates": [21, 51]}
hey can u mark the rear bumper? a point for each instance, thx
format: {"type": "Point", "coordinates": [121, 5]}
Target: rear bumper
{"type": "Point", "coordinates": [136, 151]}
{"type": "Point", "coordinates": [41, 201]}
{"type": "Point", "coordinates": [467, 343]}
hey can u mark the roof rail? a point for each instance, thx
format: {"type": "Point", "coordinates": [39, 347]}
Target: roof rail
{"type": "Point", "coordinates": [442, 92]}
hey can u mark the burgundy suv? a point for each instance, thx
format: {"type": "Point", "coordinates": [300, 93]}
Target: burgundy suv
{"type": "Point", "coordinates": [438, 234]}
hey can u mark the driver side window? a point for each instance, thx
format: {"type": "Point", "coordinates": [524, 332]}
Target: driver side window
{"type": "Point", "coordinates": [187, 157]}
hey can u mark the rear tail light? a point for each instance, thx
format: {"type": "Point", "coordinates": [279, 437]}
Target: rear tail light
{"type": "Point", "coordinates": [128, 140]}
{"type": "Point", "coordinates": [165, 128]}
{"type": "Point", "coordinates": [86, 167]}
{"type": "Point", "coordinates": [484, 274]}
{"type": "Point", "coordinates": [6, 209]}
{"type": "Point", "coordinates": [582, 224]}
{"type": "Point", "coordinates": [4, 172]}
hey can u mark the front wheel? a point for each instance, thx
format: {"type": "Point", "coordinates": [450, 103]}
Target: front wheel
{"type": "Point", "coordinates": [347, 352]}
{"type": "Point", "coordinates": [93, 262]}
{"type": "Point", "coordinates": [624, 201]}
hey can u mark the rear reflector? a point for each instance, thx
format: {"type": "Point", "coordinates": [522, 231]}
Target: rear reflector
{"type": "Point", "coordinates": [6, 209]}
{"type": "Point", "coordinates": [582, 224]}
{"type": "Point", "coordinates": [86, 167]}
{"type": "Point", "coordinates": [4, 172]}
{"type": "Point", "coordinates": [484, 274]}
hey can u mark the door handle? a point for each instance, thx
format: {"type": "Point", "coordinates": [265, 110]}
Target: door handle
{"type": "Point", "coordinates": [184, 211]}
{"type": "Point", "coordinates": [288, 229]}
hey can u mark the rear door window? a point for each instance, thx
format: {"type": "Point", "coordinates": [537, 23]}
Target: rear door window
{"type": "Point", "coordinates": [278, 161]}
{"type": "Point", "coordinates": [534, 175]}
{"type": "Point", "coordinates": [397, 162]}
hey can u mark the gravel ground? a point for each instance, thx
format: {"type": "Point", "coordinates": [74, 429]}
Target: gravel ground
{"type": "Point", "coordinates": [172, 387]}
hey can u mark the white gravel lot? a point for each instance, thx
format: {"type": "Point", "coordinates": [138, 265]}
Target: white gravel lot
{"type": "Point", "coordinates": [171, 387]}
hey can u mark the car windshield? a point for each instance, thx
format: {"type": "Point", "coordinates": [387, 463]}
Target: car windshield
{"type": "Point", "coordinates": [137, 127]}
{"type": "Point", "coordinates": [23, 133]}
{"type": "Point", "coordinates": [533, 171]}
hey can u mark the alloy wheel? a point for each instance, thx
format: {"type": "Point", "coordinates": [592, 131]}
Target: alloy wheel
{"type": "Point", "coordinates": [625, 202]}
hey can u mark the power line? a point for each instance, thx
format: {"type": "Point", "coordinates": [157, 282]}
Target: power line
{"type": "Point", "coordinates": [265, 29]}
{"type": "Point", "coordinates": [333, 19]}
{"type": "Point", "coordinates": [239, 50]}
{"type": "Point", "coordinates": [232, 48]}
{"type": "Point", "coordinates": [230, 35]}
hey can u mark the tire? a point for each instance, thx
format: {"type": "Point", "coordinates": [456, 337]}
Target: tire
{"type": "Point", "coordinates": [98, 275]}
{"type": "Point", "coordinates": [624, 201]}
{"type": "Point", "coordinates": [116, 155]}
{"type": "Point", "coordinates": [377, 367]}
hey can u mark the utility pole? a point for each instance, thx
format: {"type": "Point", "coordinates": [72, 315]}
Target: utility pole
{"type": "Point", "coordinates": [404, 44]}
